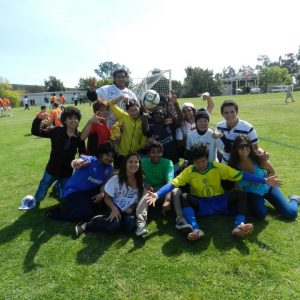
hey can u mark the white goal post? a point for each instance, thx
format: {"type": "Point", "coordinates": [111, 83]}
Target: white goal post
{"type": "Point", "coordinates": [158, 80]}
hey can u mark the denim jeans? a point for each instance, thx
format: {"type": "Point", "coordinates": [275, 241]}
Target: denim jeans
{"type": "Point", "coordinates": [45, 183]}
{"type": "Point", "coordinates": [256, 204]}
{"type": "Point", "coordinates": [127, 222]}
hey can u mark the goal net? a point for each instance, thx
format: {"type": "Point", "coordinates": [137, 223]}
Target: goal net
{"type": "Point", "coordinates": [158, 80]}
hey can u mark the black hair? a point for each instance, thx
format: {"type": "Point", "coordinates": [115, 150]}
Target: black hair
{"type": "Point", "coordinates": [234, 156]}
{"type": "Point", "coordinates": [97, 105]}
{"type": "Point", "coordinates": [106, 147]}
{"type": "Point", "coordinates": [60, 94]}
{"type": "Point", "coordinates": [117, 71]}
{"type": "Point", "coordinates": [229, 103]}
{"type": "Point", "coordinates": [55, 104]}
{"type": "Point", "coordinates": [154, 144]}
{"type": "Point", "coordinates": [201, 114]}
{"type": "Point", "coordinates": [139, 175]}
{"type": "Point", "coordinates": [159, 108]}
{"type": "Point", "coordinates": [43, 107]}
{"type": "Point", "coordinates": [198, 151]}
{"type": "Point", "coordinates": [131, 103]}
{"type": "Point", "coordinates": [70, 112]}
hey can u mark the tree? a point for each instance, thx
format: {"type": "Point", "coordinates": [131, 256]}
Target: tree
{"type": "Point", "coordinates": [263, 61]}
{"type": "Point", "coordinates": [177, 87]}
{"type": "Point", "coordinates": [269, 76]}
{"type": "Point", "coordinates": [106, 69]}
{"type": "Point", "coordinates": [85, 83]}
{"type": "Point", "coordinates": [7, 92]}
{"type": "Point", "coordinates": [198, 80]}
{"type": "Point", "coordinates": [53, 84]}
{"type": "Point", "coordinates": [228, 72]}
{"type": "Point", "coordinates": [290, 62]}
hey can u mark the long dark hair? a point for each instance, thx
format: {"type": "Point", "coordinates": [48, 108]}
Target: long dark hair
{"type": "Point", "coordinates": [235, 158]}
{"type": "Point", "coordinates": [139, 175]}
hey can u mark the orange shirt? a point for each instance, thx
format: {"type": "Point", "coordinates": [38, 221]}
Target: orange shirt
{"type": "Point", "coordinates": [55, 117]}
{"type": "Point", "coordinates": [45, 116]}
{"type": "Point", "coordinates": [62, 100]}
{"type": "Point", "coordinates": [1, 102]}
{"type": "Point", "coordinates": [6, 102]}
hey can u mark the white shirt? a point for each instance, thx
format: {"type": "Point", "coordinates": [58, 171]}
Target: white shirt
{"type": "Point", "coordinates": [123, 196]}
{"type": "Point", "coordinates": [212, 144]}
{"type": "Point", "coordinates": [109, 92]}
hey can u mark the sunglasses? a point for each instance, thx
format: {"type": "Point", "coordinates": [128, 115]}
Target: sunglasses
{"type": "Point", "coordinates": [241, 146]}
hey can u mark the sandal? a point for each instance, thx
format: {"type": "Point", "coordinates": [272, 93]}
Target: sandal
{"type": "Point", "coordinates": [243, 230]}
{"type": "Point", "coordinates": [195, 235]}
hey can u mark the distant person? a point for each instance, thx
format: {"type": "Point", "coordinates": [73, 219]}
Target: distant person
{"type": "Point", "coordinates": [56, 115]}
{"type": "Point", "coordinates": [46, 118]}
{"type": "Point", "coordinates": [47, 101]}
{"type": "Point", "coordinates": [118, 88]}
{"type": "Point", "coordinates": [7, 107]}
{"type": "Point", "coordinates": [1, 107]}
{"type": "Point", "coordinates": [62, 101]}
{"type": "Point", "coordinates": [75, 99]}
{"type": "Point", "coordinates": [26, 103]}
{"type": "Point", "coordinates": [289, 93]}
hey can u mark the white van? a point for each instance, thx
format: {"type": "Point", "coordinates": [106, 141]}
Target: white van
{"type": "Point", "coordinates": [279, 88]}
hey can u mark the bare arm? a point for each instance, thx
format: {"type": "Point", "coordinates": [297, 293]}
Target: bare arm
{"type": "Point", "coordinates": [115, 213]}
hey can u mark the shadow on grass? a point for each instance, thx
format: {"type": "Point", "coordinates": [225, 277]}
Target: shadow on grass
{"type": "Point", "coordinates": [97, 243]}
{"type": "Point", "coordinates": [42, 230]}
{"type": "Point", "coordinates": [217, 231]}
{"type": "Point", "coordinates": [28, 134]}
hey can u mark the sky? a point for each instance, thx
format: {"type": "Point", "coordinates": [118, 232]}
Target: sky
{"type": "Point", "coordinates": [68, 39]}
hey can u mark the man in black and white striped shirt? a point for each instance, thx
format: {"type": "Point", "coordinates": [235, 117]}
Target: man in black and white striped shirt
{"type": "Point", "coordinates": [232, 127]}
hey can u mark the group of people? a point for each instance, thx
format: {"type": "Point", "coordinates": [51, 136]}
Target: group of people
{"type": "Point", "coordinates": [167, 156]}
{"type": "Point", "coordinates": [5, 107]}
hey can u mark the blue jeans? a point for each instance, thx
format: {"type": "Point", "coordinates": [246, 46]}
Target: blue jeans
{"type": "Point", "coordinates": [127, 222]}
{"type": "Point", "coordinates": [45, 183]}
{"type": "Point", "coordinates": [256, 204]}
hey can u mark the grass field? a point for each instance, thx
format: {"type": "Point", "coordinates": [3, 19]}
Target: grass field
{"type": "Point", "coordinates": [41, 260]}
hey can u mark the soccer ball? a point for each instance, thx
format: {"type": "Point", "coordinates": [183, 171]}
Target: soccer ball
{"type": "Point", "coordinates": [150, 99]}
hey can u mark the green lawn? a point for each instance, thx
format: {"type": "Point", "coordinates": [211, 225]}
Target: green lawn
{"type": "Point", "coordinates": [41, 260]}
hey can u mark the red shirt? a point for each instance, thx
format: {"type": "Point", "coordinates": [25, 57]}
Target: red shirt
{"type": "Point", "coordinates": [102, 130]}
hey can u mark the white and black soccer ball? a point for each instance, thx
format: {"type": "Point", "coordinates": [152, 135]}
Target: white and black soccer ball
{"type": "Point", "coordinates": [150, 99]}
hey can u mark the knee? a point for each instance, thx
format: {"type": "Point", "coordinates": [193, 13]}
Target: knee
{"type": "Point", "coordinates": [130, 223]}
{"type": "Point", "coordinates": [290, 215]}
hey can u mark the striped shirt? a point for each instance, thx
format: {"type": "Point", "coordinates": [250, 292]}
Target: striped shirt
{"type": "Point", "coordinates": [230, 134]}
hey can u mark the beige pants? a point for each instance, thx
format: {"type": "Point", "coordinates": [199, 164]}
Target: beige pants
{"type": "Point", "coordinates": [142, 206]}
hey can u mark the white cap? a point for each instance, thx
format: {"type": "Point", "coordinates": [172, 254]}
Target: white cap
{"type": "Point", "coordinates": [188, 104]}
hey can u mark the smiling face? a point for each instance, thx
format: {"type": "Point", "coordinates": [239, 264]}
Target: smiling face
{"type": "Point", "coordinates": [158, 116]}
{"type": "Point", "coordinates": [230, 115]}
{"type": "Point", "coordinates": [106, 158]}
{"type": "Point", "coordinates": [244, 149]}
{"type": "Point", "coordinates": [202, 124]}
{"type": "Point", "coordinates": [188, 113]}
{"type": "Point", "coordinates": [72, 122]}
{"type": "Point", "coordinates": [155, 155]}
{"type": "Point", "coordinates": [120, 79]}
{"type": "Point", "coordinates": [132, 165]}
{"type": "Point", "coordinates": [103, 112]}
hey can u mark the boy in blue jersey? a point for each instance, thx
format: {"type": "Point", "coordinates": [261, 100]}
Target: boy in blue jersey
{"type": "Point", "coordinates": [207, 197]}
{"type": "Point", "coordinates": [85, 186]}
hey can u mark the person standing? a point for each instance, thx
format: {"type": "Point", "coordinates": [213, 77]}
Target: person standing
{"type": "Point", "coordinates": [26, 103]}
{"type": "Point", "coordinates": [118, 88]}
{"type": "Point", "coordinates": [289, 93]}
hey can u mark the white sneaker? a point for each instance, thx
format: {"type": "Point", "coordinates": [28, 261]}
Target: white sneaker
{"type": "Point", "coordinates": [295, 197]}
{"type": "Point", "coordinates": [28, 202]}
{"type": "Point", "coordinates": [141, 230]}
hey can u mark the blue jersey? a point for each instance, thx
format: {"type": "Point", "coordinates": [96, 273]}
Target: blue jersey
{"type": "Point", "coordinates": [89, 177]}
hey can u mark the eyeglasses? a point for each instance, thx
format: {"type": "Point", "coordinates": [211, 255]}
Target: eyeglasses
{"type": "Point", "coordinates": [241, 146]}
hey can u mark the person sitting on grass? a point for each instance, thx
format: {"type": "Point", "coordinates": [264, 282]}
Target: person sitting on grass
{"type": "Point", "coordinates": [207, 197]}
{"type": "Point", "coordinates": [85, 187]}
{"type": "Point", "coordinates": [244, 158]}
{"type": "Point", "coordinates": [122, 193]}
{"type": "Point", "coordinates": [96, 129]}
{"type": "Point", "coordinates": [159, 171]}
{"type": "Point", "coordinates": [65, 143]}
